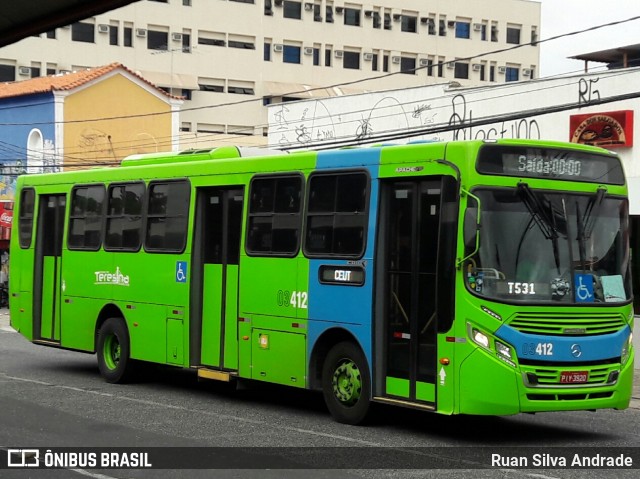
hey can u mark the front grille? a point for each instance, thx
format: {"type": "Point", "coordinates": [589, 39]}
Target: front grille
{"type": "Point", "coordinates": [568, 324]}
{"type": "Point", "coordinates": [550, 377]}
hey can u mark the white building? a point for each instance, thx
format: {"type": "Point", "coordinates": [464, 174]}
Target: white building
{"type": "Point", "coordinates": [249, 53]}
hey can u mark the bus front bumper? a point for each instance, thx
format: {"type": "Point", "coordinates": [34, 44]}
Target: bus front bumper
{"type": "Point", "coordinates": [491, 387]}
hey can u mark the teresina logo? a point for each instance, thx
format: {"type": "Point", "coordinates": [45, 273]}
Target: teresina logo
{"type": "Point", "coordinates": [117, 278]}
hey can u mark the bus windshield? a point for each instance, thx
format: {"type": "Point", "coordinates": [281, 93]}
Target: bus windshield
{"type": "Point", "coordinates": [544, 246]}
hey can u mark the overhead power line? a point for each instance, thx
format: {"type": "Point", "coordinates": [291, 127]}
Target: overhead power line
{"type": "Point", "coordinates": [336, 85]}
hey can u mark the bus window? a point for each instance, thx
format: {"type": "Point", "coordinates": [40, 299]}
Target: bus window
{"type": "Point", "coordinates": [274, 216]}
{"type": "Point", "coordinates": [167, 216]}
{"type": "Point", "coordinates": [124, 217]}
{"type": "Point", "coordinates": [27, 202]}
{"type": "Point", "coordinates": [337, 214]}
{"type": "Point", "coordinates": [85, 220]}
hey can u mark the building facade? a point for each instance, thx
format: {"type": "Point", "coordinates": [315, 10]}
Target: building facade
{"type": "Point", "coordinates": [250, 53]}
{"type": "Point", "coordinates": [79, 120]}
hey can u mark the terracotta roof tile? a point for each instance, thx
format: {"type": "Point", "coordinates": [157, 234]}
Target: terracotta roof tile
{"type": "Point", "coordinates": [65, 82]}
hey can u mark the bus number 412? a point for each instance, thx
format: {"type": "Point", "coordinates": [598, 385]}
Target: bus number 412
{"type": "Point", "coordinates": [537, 349]}
{"type": "Point", "coordinates": [295, 299]}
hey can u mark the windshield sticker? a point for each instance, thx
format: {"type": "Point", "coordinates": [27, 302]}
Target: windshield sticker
{"type": "Point", "coordinates": [559, 288]}
{"type": "Point", "coordinates": [584, 288]}
{"type": "Point", "coordinates": [117, 278]}
{"type": "Point", "coordinates": [613, 288]}
{"type": "Point", "coordinates": [475, 280]}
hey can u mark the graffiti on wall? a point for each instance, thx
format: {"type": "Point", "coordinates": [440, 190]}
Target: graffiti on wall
{"type": "Point", "coordinates": [461, 121]}
{"type": "Point", "coordinates": [437, 113]}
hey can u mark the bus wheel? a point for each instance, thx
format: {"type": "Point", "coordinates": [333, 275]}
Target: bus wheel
{"type": "Point", "coordinates": [113, 351]}
{"type": "Point", "coordinates": [346, 384]}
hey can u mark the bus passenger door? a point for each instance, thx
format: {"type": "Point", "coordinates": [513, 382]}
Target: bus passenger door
{"type": "Point", "coordinates": [406, 330]}
{"type": "Point", "coordinates": [48, 267]}
{"type": "Point", "coordinates": [215, 262]}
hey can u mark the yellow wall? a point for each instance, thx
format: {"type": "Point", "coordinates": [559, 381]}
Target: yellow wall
{"type": "Point", "coordinates": [110, 140]}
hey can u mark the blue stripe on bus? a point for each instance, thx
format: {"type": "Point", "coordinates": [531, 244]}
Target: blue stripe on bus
{"type": "Point", "coordinates": [565, 348]}
{"type": "Point", "coordinates": [340, 306]}
{"type": "Point", "coordinates": [349, 158]}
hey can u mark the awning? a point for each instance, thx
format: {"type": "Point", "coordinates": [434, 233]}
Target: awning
{"type": "Point", "coordinates": [296, 90]}
{"type": "Point", "coordinates": [172, 80]}
{"type": "Point", "coordinates": [299, 90]}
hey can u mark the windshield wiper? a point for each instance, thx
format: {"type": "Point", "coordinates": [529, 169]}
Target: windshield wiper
{"type": "Point", "coordinates": [543, 217]}
{"type": "Point", "coordinates": [587, 222]}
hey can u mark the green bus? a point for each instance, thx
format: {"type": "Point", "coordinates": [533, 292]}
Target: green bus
{"type": "Point", "coordinates": [465, 277]}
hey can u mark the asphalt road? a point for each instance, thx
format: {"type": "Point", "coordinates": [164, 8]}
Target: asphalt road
{"type": "Point", "coordinates": [51, 398]}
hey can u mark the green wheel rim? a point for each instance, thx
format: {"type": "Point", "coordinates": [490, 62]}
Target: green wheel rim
{"type": "Point", "coordinates": [111, 351]}
{"type": "Point", "coordinates": [347, 382]}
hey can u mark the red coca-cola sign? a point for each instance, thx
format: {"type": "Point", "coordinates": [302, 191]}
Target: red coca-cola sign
{"type": "Point", "coordinates": [6, 216]}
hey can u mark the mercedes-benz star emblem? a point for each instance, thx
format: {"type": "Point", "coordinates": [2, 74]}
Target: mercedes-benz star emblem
{"type": "Point", "coordinates": [576, 350]}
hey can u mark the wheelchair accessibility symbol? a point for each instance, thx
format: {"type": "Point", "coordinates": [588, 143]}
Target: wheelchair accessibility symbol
{"type": "Point", "coordinates": [181, 271]}
{"type": "Point", "coordinates": [583, 285]}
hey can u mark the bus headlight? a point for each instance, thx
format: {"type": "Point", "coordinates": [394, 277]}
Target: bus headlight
{"type": "Point", "coordinates": [626, 349]}
{"type": "Point", "coordinates": [503, 350]}
{"type": "Point", "coordinates": [480, 338]}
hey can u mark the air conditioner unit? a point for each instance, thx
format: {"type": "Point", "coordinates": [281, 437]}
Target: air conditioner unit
{"type": "Point", "coordinates": [368, 13]}
{"type": "Point", "coordinates": [424, 62]}
{"type": "Point", "coordinates": [395, 59]}
{"type": "Point", "coordinates": [308, 50]}
{"type": "Point", "coordinates": [308, 6]}
{"type": "Point", "coordinates": [278, 47]}
{"type": "Point", "coordinates": [339, 53]}
{"type": "Point", "coordinates": [526, 72]}
{"type": "Point", "coordinates": [477, 27]}
{"type": "Point", "coordinates": [451, 65]}
{"type": "Point", "coordinates": [424, 20]}
{"type": "Point", "coordinates": [397, 17]}
{"type": "Point", "coordinates": [502, 69]}
{"type": "Point", "coordinates": [176, 37]}
{"type": "Point", "coordinates": [102, 28]}
{"type": "Point", "coordinates": [477, 67]}
{"type": "Point", "coordinates": [367, 57]}
{"type": "Point", "coordinates": [26, 71]}
{"type": "Point", "coordinates": [278, 3]}
{"type": "Point", "coordinates": [141, 32]}
{"type": "Point", "coordinates": [339, 9]}
{"type": "Point", "coordinates": [63, 72]}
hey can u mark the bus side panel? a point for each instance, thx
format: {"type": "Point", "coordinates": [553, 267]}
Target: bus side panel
{"type": "Point", "coordinates": [268, 305]}
{"type": "Point", "coordinates": [21, 279]}
{"type": "Point", "coordinates": [494, 394]}
{"type": "Point", "coordinates": [78, 327]}
{"type": "Point", "coordinates": [147, 324]}
{"type": "Point", "coordinates": [231, 319]}
{"type": "Point", "coordinates": [85, 292]}
{"type": "Point", "coordinates": [347, 306]}
{"type": "Point", "coordinates": [211, 329]}
{"type": "Point", "coordinates": [267, 286]}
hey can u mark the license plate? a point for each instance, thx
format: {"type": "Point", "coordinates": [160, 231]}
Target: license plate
{"type": "Point", "coordinates": [574, 377]}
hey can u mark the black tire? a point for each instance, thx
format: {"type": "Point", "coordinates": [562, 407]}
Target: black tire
{"type": "Point", "coordinates": [346, 384]}
{"type": "Point", "coordinates": [113, 351]}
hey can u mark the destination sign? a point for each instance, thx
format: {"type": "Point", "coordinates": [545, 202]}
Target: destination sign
{"type": "Point", "coordinates": [335, 274]}
{"type": "Point", "coordinates": [550, 163]}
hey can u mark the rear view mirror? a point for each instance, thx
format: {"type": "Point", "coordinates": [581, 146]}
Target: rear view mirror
{"type": "Point", "coordinates": [471, 224]}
